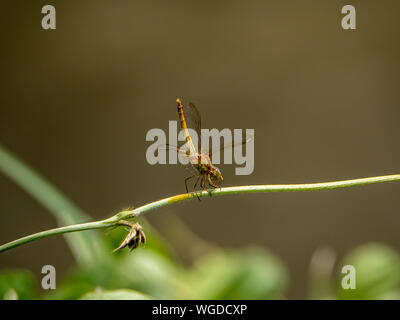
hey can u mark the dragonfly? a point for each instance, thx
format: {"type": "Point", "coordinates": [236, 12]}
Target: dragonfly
{"type": "Point", "coordinates": [206, 172]}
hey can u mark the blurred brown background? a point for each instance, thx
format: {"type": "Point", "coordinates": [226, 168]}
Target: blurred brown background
{"type": "Point", "coordinates": [76, 104]}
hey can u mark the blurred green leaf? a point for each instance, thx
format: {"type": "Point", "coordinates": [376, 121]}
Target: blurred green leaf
{"type": "Point", "coordinates": [377, 273]}
{"type": "Point", "coordinates": [87, 247]}
{"type": "Point", "coordinates": [321, 274]}
{"type": "Point", "coordinates": [251, 273]}
{"type": "Point", "coordinates": [72, 286]}
{"type": "Point", "coordinates": [121, 294]}
{"type": "Point", "coordinates": [152, 270]}
{"type": "Point", "coordinates": [20, 281]}
{"type": "Point", "coordinates": [11, 295]}
{"type": "Point", "coordinates": [153, 274]}
{"type": "Point", "coordinates": [143, 270]}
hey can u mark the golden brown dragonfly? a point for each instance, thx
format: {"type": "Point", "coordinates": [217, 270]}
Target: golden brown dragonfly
{"type": "Point", "coordinates": [206, 172]}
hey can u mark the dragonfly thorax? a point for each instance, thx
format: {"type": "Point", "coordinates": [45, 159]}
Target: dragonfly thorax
{"type": "Point", "coordinates": [202, 163]}
{"type": "Point", "coordinates": [208, 169]}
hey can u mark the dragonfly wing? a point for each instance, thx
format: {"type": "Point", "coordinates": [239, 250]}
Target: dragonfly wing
{"type": "Point", "coordinates": [174, 148]}
{"type": "Point", "coordinates": [183, 152]}
{"type": "Point", "coordinates": [193, 121]}
{"type": "Point", "coordinates": [239, 139]}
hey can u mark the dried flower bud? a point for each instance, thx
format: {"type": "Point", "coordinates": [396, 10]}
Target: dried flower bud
{"type": "Point", "coordinates": [134, 237]}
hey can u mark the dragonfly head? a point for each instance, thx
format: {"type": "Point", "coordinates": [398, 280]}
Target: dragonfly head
{"type": "Point", "coordinates": [216, 177]}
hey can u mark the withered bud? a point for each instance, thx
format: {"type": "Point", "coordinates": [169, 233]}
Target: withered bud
{"type": "Point", "coordinates": [134, 237]}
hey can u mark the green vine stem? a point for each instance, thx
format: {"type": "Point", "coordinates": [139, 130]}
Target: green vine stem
{"type": "Point", "coordinates": [129, 214]}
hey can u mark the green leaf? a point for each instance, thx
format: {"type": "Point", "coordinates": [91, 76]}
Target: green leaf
{"type": "Point", "coordinates": [17, 282]}
{"type": "Point", "coordinates": [244, 274]}
{"type": "Point", "coordinates": [121, 294]}
{"type": "Point", "coordinates": [377, 270]}
{"type": "Point", "coordinates": [87, 247]}
{"type": "Point", "coordinates": [142, 270]}
{"type": "Point", "coordinates": [153, 274]}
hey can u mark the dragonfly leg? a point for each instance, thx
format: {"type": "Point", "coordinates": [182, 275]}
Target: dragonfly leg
{"type": "Point", "coordinates": [186, 180]}
{"type": "Point", "coordinates": [211, 184]}
{"type": "Point", "coordinates": [203, 182]}
{"type": "Point", "coordinates": [194, 187]}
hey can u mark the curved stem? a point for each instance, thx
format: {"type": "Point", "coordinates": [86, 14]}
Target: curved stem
{"type": "Point", "coordinates": [128, 214]}
{"type": "Point", "coordinates": [53, 232]}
